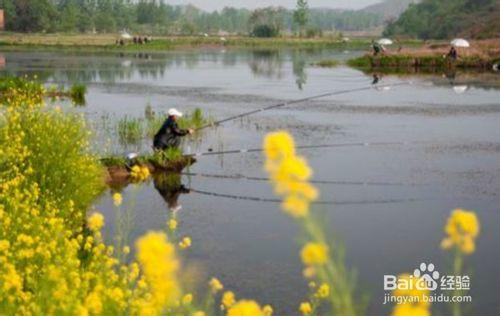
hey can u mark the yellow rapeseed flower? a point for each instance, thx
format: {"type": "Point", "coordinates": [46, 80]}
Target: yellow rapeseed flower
{"type": "Point", "coordinates": [117, 199]}
{"type": "Point", "coordinates": [187, 299]}
{"type": "Point", "coordinates": [185, 243]}
{"type": "Point", "coordinates": [295, 206]}
{"type": "Point", "coordinates": [462, 228]}
{"type": "Point", "coordinates": [160, 265]}
{"type": "Point", "coordinates": [279, 145]}
{"type": "Point", "coordinates": [289, 174]}
{"type": "Point", "coordinates": [323, 291]}
{"type": "Point", "coordinates": [412, 290]}
{"type": "Point", "coordinates": [267, 310]}
{"type": "Point", "coordinates": [172, 224]}
{"type": "Point", "coordinates": [410, 310]}
{"type": "Point", "coordinates": [305, 308]}
{"type": "Point", "coordinates": [126, 250]}
{"type": "Point", "coordinates": [95, 222]}
{"type": "Point", "coordinates": [245, 308]}
{"type": "Point", "coordinates": [139, 173]}
{"type": "Point", "coordinates": [314, 254]}
{"type": "Point", "coordinates": [418, 306]}
{"type": "Point", "coordinates": [228, 299]}
{"type": "Point", "coordinates": [215, 285]}
{"type": "Point", "coordinates": [93, 303]}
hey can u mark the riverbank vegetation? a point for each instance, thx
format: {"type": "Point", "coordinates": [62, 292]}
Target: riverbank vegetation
{"type": "Point", "coordinates": [107, 42]}
{"type": "Point", "coordinates": [482, 55]}
{"type": "Point", "coordinates": [327, 63]}
{"type": "Point", "coordinates": [54, 260]}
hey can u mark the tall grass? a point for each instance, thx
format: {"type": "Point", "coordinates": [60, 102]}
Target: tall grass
{"type": "Point", "coordinates": [130, 130]}
{"type": "Point", "coordinates": [194, 119]}
{"type": "Point", "coordinates": [77, 93]}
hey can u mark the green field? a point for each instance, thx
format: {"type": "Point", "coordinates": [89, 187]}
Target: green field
{"type": "Point", "coordinates": [107, 42]}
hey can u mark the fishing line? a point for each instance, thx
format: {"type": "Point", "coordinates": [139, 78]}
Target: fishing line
{"type": "Point", "coordinates": [270, 200]}
{"type": "Point", "coordinates": [231, 118]}
{"type": "Point", "coordinates": [254, 150]}
{"type": "Point", "coordinates": [336, 182]}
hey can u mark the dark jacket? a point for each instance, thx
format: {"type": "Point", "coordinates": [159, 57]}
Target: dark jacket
{"type": "Point", "coordinates": [169, 135]}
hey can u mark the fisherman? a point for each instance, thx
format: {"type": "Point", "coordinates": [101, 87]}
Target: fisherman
{"type": "Point", "coordinates": [169, 135]}
{"type": "Point", "coordinates": [453, 53]}
{"type": "Point", "coordinates": [376, 48]}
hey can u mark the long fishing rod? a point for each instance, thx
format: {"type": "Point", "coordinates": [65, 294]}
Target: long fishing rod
{"type": "Point", "coordinates": [272, 200]}
{"type": "Point", "coordinates": [253, 150]}
{"type": "Point", "coordinates": [264, 179]}
{"type": "Point", "coordinates": [282, 104]}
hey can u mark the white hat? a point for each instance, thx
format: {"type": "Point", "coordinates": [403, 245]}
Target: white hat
{"type": "Point", "coordinates": [174, 112]}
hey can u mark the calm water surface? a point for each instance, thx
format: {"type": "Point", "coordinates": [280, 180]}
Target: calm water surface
{"type": "Point", "coordinates": [396, 198]}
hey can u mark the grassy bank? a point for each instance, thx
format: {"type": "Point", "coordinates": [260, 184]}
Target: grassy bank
{"type": "Point", "coordinates": [410, 61]}
{"type": "Point", "coordinates": [328, 63]}
{"type": "Point", "coordinates": [482, 55]}
{"type": "Point", "coordinates": [107, 42]}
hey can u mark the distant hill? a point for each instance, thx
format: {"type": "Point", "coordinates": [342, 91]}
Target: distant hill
{"type": "Point", "coordinates": [389, 9]}
{"type": "Point", "coordinates": [442, 19]}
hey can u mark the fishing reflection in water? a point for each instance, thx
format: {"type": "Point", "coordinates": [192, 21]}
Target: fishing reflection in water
{"type": "Point", "coordinates": [170, 187]}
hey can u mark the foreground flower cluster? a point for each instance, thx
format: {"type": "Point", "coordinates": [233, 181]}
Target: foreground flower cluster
{"type": "Point", "coordinates": [53, 260]}
{"type": "Point", "coordinates": [331, 285]}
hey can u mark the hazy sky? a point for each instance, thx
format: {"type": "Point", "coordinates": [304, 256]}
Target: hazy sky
{"type": "Point", "coordinates": [211, 5]}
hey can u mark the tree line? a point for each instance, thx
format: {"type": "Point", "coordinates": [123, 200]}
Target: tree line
{"type": "Point", "coordinates": [158, 17]}
{"type": "Point", "coordinates": [442, 19]}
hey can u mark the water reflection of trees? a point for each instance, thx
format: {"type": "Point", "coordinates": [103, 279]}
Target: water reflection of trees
{"type": "Point", "coordinates": [266, 63]}
{"type": "Point", "coordinates": [69, 68]}
{"type": "Point", "coordinates": [299, 65]}
{"type": "Point", "coordinates": [110, 68]}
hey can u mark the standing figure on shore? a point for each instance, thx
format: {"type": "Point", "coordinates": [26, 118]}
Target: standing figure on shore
{"type": "Point", "coordinates": [376, 48]}
{"type": "Point", "coordinates": [453, 53]}
{"type": "Point", "coordinates": [169, 135]}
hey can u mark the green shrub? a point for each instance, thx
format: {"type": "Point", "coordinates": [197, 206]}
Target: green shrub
{"type": "Point", "coordinates": [264, 30]}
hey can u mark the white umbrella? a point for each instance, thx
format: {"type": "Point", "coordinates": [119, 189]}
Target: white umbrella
{"type": "Point", "coordinates": [125, 35]}
{"type": "Point", "coordinates": [385, 41]}
{"type": "Point", "coordinates": [460, 42]}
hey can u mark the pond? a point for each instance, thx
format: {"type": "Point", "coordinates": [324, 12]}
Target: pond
{"type": "Point", "coordinates": [386, 203]}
